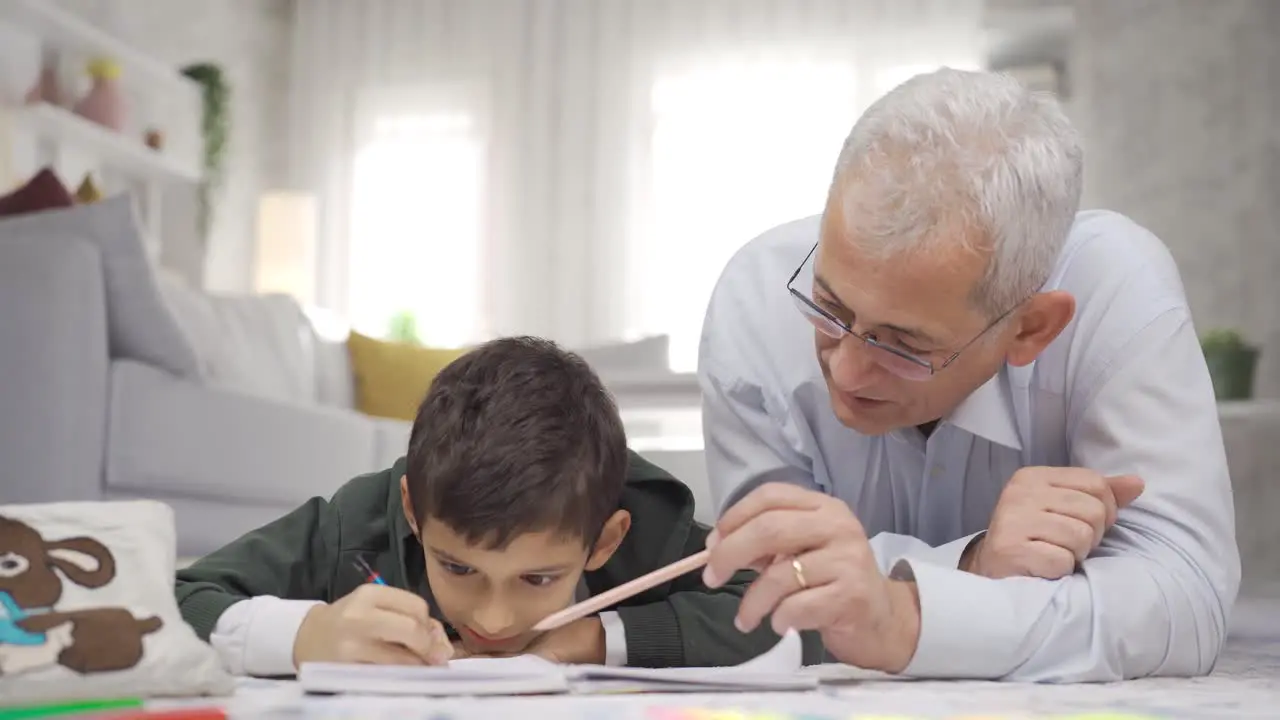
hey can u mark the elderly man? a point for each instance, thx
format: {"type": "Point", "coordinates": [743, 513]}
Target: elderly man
{"type": "Point", "coordinates": [1003, 460]}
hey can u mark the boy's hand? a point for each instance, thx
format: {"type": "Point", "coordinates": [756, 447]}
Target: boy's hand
{"type": "Point", "coordinates": [581, 642]}
{"type": "Point", "coordinates": [374, 624]}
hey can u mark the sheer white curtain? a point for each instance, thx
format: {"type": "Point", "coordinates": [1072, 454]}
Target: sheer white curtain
{"type": "Point", "coordinates": [579, 169]}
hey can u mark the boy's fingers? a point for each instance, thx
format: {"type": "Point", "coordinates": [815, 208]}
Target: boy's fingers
{"type": "Point", "coordinates": [386, 653]}
{"type": "Point", "coordinates": [400, 601]}
{"type": "Point", "coordinates": [1126, 488]}
{"type": "Point", "coordinates": [426, 641]}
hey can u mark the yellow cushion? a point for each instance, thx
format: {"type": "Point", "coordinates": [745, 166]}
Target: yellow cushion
{"type": "Point", "coordinates": [392, 378]}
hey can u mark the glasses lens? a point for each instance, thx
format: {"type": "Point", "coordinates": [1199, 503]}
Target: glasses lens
{"type": "Point", "coordinates": [897, 364]}
{"type": "Point", "coordinates": [817, 318]}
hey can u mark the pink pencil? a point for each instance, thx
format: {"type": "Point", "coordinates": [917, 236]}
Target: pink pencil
{"type": "Point", "coordinates": [622, 592]}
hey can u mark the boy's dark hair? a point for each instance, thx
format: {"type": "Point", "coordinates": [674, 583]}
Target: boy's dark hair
{"type": "Point", "coordinates": [517, 436]}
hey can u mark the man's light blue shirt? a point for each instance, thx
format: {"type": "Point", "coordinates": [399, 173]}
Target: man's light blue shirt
{"type": "Point", "coordinates": [1124, 389]}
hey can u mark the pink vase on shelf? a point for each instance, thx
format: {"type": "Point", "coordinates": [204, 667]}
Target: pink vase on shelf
{"type": "Point", "coordinates": [104, 103]}
{"type": "Point", "coordinates": [46, 88]}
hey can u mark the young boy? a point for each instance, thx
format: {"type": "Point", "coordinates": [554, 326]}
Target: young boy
{"type": "Point", "coordinates": [518, 497]}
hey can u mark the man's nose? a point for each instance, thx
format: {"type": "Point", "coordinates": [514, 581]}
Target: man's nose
{"type": "Point", "coordinates": [851, 365]}
{"type": "Point", "coordinates": [493, 617]}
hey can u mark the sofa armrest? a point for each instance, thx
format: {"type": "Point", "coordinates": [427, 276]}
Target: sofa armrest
{"type": "Point", "coordinates": [53, 369]}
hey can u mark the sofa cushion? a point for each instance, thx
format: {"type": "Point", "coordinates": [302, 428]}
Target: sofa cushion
{"type": "Point", "coordinates": [392, 378]}
{"type": "Point", "coordinates": [257, 344]}
{"type": "Point", "coordinates": [335, 384]}
{"type": "Point", "coordinates": [643, 356]}
{"type": "Point", "coordinates": [177, 437]}
{"type": "Point", "coordinates": [391, 440]}
{"type": "Point", "coordinates": [44, 191]}
{"type": "Point", "coordinates": [139, 324]}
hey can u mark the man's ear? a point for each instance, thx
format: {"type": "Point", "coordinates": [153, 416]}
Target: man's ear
{"type": "Point", "coordinates": [1039, 323]}
{"type": "Point", "coordinates": [615, 529]}
{"type": "Point", "coordinates": [407, 506]}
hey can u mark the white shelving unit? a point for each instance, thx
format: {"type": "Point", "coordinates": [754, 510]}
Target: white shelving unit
{"type": "Point", "coordinates": [119, 152]}
{"type": "Point", "coordinates": [72, 34]}
{"type": "Point", "coordinates": [158, 97]}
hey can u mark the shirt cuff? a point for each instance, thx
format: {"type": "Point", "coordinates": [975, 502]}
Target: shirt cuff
{"type": "Point", "coordinates": [615, 639]}
{"type": "Point", "coordinates": [948, 555]}
{"type": "Point", "coordinates": [255, 636]}
{"type": "Point", "coordinates": [889, 548]}
{"type": "Point", "coordinates": [970, 626]}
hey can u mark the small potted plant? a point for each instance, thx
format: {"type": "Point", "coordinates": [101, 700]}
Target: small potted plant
{"type": "Point", "coordinates": [1231, 363]}
{"type": "Point", "coordinates": [403, 328]}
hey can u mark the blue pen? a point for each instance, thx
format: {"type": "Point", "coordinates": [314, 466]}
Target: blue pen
{"type": "Point", "coordinates": [370, 574]}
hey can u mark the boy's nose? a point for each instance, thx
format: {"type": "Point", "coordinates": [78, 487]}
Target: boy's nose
{"type": "Point", "coordinates": [493, 619]}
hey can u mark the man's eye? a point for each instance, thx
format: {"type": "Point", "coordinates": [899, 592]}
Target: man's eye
{"type": "Point", "coordinates": [540, 580]}
{"type": "Point", "coordinates": [829, 305]}
{"type": "Point", "coordinates": [455, 568]}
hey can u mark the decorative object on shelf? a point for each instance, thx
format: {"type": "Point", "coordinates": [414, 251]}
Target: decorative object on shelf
{"type": "Point", "coordinates": [1231, 363]}
{"type": "Point", "coordinates": [154, 139]}
{"type": "Point", "coordinates": [215, 129]}
{"type": "Point", "coordinates": [104, 103]}
{"type": "Point", "coordinates": [403, 328]}
{"type": "Point", "coordinates": [47, 88]}
{"type": "Point", "coordinates": [88, 191]}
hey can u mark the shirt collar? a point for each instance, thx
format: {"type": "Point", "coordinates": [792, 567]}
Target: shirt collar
{"type": "Point", "coordinates": [988, 413]}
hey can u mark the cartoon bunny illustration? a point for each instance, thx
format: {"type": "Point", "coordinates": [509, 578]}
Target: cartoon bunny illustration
{"type": "Point", "coordinates": [33, 633]}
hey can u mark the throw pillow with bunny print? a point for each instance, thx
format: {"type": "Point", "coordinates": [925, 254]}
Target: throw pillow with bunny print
{"type": "Point", "coordinates": [86, 606]}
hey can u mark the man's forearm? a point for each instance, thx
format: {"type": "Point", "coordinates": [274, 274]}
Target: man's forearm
{"type": "Point", "coordinates": [1118, 618]}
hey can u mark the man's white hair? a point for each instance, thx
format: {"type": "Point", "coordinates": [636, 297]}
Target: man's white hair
{"type": "Point", "coordinates": [964, 157]}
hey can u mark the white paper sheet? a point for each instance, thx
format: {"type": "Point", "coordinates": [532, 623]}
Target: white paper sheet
{"type": "Point", "coordinates": [775, 669]}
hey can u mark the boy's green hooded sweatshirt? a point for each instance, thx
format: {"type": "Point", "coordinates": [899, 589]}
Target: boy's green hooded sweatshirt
{"type": "Point", "coordinates": [310, 554]}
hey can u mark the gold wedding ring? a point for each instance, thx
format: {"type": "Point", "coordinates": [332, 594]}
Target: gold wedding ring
{"type": "Point", "coordinates": [799, 571]}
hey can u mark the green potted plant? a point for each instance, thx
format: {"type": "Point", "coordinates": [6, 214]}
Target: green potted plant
{"type": "Point", "coordinates": [1231, 363]}
{"type": "Point", "coordinates": [215, 129]}
{"type": "Point", "coordinates": [404, 328]}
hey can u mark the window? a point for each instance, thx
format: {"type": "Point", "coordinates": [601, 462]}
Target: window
{"type": "Point", "coordinates": [736, 148]}
{"type": "Point", "coordinates": [416, 228]}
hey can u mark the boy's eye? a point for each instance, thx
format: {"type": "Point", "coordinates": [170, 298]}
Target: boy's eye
{"type": "Point", "coordinates": [540, 580]}
{"type": "Point", "coordinates": [455, 568]}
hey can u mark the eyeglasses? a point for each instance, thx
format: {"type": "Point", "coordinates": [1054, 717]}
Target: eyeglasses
{"type": "Point", "coordinates": [900, 362]}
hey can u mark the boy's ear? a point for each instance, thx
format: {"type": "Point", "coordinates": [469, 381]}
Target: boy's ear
{"type": "Point", "coordinates": [615, 529]}
{"type": "Point", "coordinates": [406, 505]}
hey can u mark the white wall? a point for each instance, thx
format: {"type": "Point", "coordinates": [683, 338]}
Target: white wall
{"type": "Point", "coordinates": [249, 39]}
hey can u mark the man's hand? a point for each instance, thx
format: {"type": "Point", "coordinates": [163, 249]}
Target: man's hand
{"type": "Point", "coordinates": [865, 619]}
{"type": "Point", "coordinates": [374, 624]}
{"type": "Point", "coordinates": [1048, 520]}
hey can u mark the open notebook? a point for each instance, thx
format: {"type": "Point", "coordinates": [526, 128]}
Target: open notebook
{"type": "Point", "coordinates": [776, 669]}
